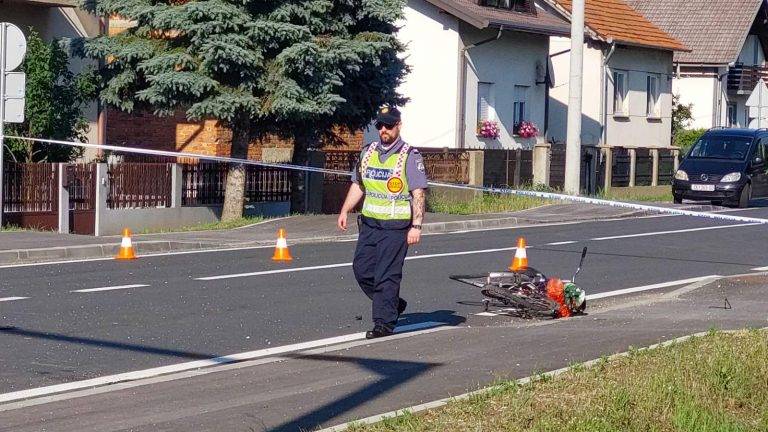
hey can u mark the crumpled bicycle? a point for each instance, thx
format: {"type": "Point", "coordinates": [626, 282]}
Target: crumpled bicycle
{"type": "Point", "coordinates": [528, 293]}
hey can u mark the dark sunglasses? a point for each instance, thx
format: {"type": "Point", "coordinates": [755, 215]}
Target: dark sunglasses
{"type": "Point", "coordinates": [380, 125]}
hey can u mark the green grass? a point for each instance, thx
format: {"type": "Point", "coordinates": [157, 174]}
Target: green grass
{"type": "Point", "coordinates": [714, 383]}
{"type": "Point", "coordinates": [237, 223]}
{"type": "Point", "coordinates": [16, 228]}
{"type": "Point", "coordinates": [487, 203]}
{"type": "Point", "coordinates": [638, 196]}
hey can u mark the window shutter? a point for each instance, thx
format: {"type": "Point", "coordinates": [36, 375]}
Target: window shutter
{"type": "Point", "coordinates": [483, 101]}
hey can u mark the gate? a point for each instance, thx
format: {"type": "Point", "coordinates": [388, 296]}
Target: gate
{"type": "Point", "coordinates": [81, 185]}
{"type": "Point", "coordinates": [30, 195]}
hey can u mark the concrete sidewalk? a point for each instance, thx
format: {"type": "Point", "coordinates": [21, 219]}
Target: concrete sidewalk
{"type": "Point", "coordinates": [332, 385]}
{"type": "Point", "coordinates": [30, 246]}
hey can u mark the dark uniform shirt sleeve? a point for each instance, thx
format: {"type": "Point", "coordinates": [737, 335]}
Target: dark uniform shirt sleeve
{"type": "Point", "coordinates": [415, 171]}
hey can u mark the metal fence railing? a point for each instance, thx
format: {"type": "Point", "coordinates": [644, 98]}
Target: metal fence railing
{"type": "Point", "coordinates": [205, 184]}
{"type": "Point", "coordinates": [30, 187]}
{"type": "Point", "coordinates": [139, 185]}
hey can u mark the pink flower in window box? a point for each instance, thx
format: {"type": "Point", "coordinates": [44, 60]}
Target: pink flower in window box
{"type": "Point", "coordinates": [526, 129]}
{"type": "Point", "coordinates": [488, 129]}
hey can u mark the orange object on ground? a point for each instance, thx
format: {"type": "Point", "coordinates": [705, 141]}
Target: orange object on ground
{"type": "Point", "coordinates": [556, 292]}
{"type": "Point", "coordinates": [126, 251]}
{"type": "Point", "coordinates": [520, 261]}
{"type": "Point", "coordinates": [281, 249]}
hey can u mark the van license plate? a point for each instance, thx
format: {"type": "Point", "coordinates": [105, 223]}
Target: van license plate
{"type": "Point", "coordinates": [703, 187]}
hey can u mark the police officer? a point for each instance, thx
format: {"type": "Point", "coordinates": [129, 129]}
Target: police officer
{"type": "Point", "coordinates": [391, 179]}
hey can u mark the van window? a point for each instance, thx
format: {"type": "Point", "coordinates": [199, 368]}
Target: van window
{"type": "Point", "coordinates": [721, 147]}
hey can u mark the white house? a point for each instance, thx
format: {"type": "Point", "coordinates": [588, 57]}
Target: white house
{"type": "Point", "coordinates": [728, 41]}
{"type": "Point", "coordinates": [627, 79]}
{"type": "Point", "coordinates": [54, 19]}
{"type": "Point", "coordinates": [474, 60]}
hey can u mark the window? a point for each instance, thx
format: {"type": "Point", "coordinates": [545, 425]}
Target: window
{"type": "Point", "coordinates": [731, 119]}
{"type": "Point", "coordinates": [652, 97]}
{"type": "Point", "coordinates": [515, 5]}
{"type": "Point", "coordinates": [520, 113]}
{"type": "Point", "coordinates": [721, 147]}
{"type": "Point", "coordinates": [485, 109]}
{"type": "Point", "coordinates": [620, 99]}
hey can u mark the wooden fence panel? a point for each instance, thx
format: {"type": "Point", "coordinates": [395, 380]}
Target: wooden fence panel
{"type": "Point", "coordinates": [140, 185]}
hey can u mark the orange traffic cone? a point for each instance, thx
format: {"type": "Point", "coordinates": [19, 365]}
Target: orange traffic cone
{"type": "Point", "coordinates": [126, 247]}
{"type": "Point", "coordinates": [520, 261]}
{"type": "Point", "coordinates": [281, 249]}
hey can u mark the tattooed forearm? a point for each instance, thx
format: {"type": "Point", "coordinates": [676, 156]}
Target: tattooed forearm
{"type": "Point", "coordinates": [419, 206]}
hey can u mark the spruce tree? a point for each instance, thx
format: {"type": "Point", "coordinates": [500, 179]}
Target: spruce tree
{"type": "Point", "coordinates": [293, 68]}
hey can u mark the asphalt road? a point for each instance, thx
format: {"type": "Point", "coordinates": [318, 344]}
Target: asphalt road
{"type": "Point", "coordinates": [179, 308]}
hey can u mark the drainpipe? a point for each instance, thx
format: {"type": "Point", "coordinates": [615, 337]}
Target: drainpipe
{"type": "Point", "coordinates": [463, 86]}
{"type": "Point", "coordinates": [604, 92]}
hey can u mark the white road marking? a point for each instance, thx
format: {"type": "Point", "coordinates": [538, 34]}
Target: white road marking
{"type": "Point", "coordinates": [7, 299]}
{"type": "Point", "coordinates": [110, 288]}
{"type": "Point", "coordinates": [673, 231]}
{"type": "Point", "coordinates": [349, 264]}
{"type": "Point", "coordinates": [561, 243]}
{"type": "Point", "coordinates": [649, 287]}
{"type": "Point", "coordinates": [181, 367]}
{"type": "Point", "coordinates": [760, 269]}
{"type": "Point", "coordinates": [345, 240]}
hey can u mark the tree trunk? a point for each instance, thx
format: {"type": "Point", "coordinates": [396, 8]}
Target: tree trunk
{"type": "Point", "coordinates": [235, 189]}
{"type": "Point", "coordinates": [301, 143]}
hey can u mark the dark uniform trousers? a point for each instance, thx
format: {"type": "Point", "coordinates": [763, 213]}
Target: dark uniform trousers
{"type": "Point", "coordinates": [378, 267]}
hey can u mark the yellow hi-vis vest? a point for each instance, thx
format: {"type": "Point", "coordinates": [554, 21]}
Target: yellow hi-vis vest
{"type": "Point", "coordinates": [387, 196]}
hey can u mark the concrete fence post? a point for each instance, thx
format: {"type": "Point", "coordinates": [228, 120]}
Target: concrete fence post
{"type": "Point", "coordinates": [541, 159]}
{"type": "Point", "coordinates": [655, 172]}
{"type": "Point", "coordinates": [676, 159]}
{"type": "Point", "coordinates": [63, 200]}
{"type": "Point", "coordinates": [632, 166]}
{"type": "Point", "coordinates": [608, 168]}
{"type": "Point", "coordinates": [177, 185]}
{"type": "Point", "coordinates": [476, 167]}
{"type": "Point", "coordinates": [314, 202]}
{"type": "Point", "coordinates": [102, 193]}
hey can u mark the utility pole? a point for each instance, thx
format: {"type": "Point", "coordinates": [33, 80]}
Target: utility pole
{"type": "Point", "coordinates": [573, 139]}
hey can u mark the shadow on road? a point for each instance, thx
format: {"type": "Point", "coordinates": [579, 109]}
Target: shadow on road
{"type": "Point", "coordinates": [15, 331]}
{"type": "Point", "coordinates": [392, 372]}
{"type": "Point", "coordinates": [448, 317]}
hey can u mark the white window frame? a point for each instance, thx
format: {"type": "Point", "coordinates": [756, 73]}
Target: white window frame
{"type": "Point", "coordinates": [653, 94]}
{"type": "Point", "coordinates": [520, 103]}
{"type": "Point", "coordinates": [731, 114]}
{"type": "Point", "coordinates": [487, 88]}
{"type": "Point", "coordinates": [620, 93]}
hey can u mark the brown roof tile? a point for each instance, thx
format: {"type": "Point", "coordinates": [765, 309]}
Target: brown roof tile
{"type": "Point", "coordinates": [714, 30]}
{"type": "Point", "coordinates": [615, 19]}
{"type": "Point", "coordinates": [543, 22]}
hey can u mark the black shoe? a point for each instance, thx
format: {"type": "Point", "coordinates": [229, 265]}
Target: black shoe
{"type": "Point", "coordinates": [401, 305]}
{"type": "Point", "coordinates": [378, 332]}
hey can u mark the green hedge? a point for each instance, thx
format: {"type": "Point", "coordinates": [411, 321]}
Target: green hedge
{"type": "Point", "coordinates": [687, 137]}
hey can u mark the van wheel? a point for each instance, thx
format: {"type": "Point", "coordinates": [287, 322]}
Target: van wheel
{"type": "Point", "coordinates": [746, 194]}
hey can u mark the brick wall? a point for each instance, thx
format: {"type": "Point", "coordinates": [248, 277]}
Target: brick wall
{"type": "Point", "coordinates": [209, 137]}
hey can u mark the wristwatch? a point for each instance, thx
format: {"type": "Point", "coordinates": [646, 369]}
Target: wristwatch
{"type": "Point", "coordinates": [418, 227]}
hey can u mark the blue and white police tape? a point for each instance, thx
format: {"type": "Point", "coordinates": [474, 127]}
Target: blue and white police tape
{"type": "Point", "coordinates": [503, 191]}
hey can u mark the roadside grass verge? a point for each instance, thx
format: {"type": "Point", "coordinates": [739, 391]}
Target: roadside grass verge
{"type": "Point", "coordinates": [713, 383]}
{"type": "Point", "coordinates": [16, 228]}
{"type": "Point", "coordinates": [485, 203]}
{"type": "Point", "coordinates": [638, 196]}
{"type": "Point", "coordinates": [210, 226]}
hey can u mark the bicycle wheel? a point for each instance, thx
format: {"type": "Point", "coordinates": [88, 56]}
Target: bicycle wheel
{"type": "Point", "coordinates": [530, 305]}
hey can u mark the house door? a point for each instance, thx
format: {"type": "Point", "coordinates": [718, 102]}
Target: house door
{"type": "Point", "coordinates": [81, 184]}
